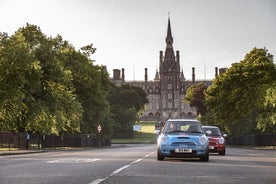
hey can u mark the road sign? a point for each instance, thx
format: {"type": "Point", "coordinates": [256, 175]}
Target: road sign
{"type": "Point", "coordinates": [99, 128]}
{"type": "Point", "coordinates": [137, 128]}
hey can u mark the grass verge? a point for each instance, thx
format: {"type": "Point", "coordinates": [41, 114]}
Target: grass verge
{"type": "Point", "coordinates": [145, 135]}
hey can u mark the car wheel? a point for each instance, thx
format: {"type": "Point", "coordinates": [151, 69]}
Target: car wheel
{"type": "Point", "coordinates": [222, 152]}
{"type": "Point", "coordinates": [205, 157]}
{"type": "Point", "coordinates": [159, 156]}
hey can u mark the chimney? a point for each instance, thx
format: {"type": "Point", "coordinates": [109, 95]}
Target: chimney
{"type": "Point", "coordinates": [216, 72]}
{"type": "Point", "coordinates": [146, 75]}
{"type": "Point", "coordinates": [193, 74]}
{"type": "Point", "coordinates": [116, 74]}
{"type": "Point", "coordinates": [222, 70]}
{"type": "Point", "coordinates": [123, 74]}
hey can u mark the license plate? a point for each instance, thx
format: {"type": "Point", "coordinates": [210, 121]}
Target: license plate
{"type": "Point", "coordinates": [183, 150]}
{"type": "Point", "coordinates": [211, 147]}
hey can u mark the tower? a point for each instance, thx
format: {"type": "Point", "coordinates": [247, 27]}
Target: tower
{"type": "Point", "coordinates": [167, 91]}
{"type": "Point", "coordinates": [169, 69]}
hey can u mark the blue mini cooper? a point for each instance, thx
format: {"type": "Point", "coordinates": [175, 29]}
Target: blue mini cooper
{"type": "Point", "coordinates": [182, 138]}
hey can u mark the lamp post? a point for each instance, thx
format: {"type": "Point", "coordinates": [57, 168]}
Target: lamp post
{"type": "Point", "coordinates": [99, 130]}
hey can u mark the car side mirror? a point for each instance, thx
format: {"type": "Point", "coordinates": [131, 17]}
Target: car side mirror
{"type": "Point", "coordinates": [157, 131]}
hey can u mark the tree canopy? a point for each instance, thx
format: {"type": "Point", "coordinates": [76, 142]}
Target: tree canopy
{"type": "Point", "coordinates": [47, 86]}
{"type": "Point", "coordinates": [196, 97]}
{"type": "Point", "coordinates": [241, 100]}
{"type": "Point", "coordinates": [125, 103]}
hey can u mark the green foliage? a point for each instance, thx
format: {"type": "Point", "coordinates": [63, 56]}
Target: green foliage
{"type": "Point", "coordinates": [195, 97]}
{"type": "Point", "coordinates": [17, 68]}
{"type": "Point", "coordinates": [92, 89]}
{"type": "Point", "coordinates": [266, 120]}
{"type": "Point", "coordinates": [236, 98]}
{"type": "Point", "coordinates": [50, 88]}
{"type": "Point", "coordinates": [125, 103]}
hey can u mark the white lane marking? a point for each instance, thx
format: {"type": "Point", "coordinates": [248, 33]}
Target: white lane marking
{"type": "Point", "coordinates": [99, 180]}
{"type": "Point", "coordinates": [136, 161]}
{"type": "Point", "coordinates": [120, 169]}
{"type": "Point", "coordinates": [71, 161]}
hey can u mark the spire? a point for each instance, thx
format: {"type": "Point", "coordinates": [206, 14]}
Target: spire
{"type": "Point", "coordinates": [169, 38]}
{"type": "Point", "coordinates": [169, 32]}
{"type": "Point", "coordinates": [168, 61]}
{"type": "Point", "coordinates": [157, 76]}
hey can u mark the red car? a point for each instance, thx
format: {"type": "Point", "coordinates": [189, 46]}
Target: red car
{"type": "Point", "coordinates": [216, 139]}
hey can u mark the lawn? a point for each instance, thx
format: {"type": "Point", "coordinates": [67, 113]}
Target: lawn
{"type": "Point", "coordinates": [145, 135]}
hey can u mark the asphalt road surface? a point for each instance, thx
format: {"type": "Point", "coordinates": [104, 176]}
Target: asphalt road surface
{"type": "Point", "coordinates": [131, 164]}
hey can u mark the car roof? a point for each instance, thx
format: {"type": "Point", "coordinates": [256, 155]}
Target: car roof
{"type": "Point", "coordinates": [209, 126]}
{"type": "Point", "coordinates": [193, 120]}
{"type": "Point", "coordinates": [182, 120]}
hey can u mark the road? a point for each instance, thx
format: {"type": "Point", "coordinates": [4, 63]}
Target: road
{"type": "Point", "coordinates": [136, 164]}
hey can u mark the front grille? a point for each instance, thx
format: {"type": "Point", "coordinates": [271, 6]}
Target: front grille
{"type": "Point", "coordinates": [213, 144]}
{"type": "Point", "coordinates": [188, 144]}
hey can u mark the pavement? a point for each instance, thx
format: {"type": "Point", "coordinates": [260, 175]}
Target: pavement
{"type": "Point", "coordinates": [18, 152]}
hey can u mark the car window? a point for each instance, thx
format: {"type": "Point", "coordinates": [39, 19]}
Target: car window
{"type": "Point", "coordinates": [214, 131]}
{"type": "Point", "coordinates": [182, 126]}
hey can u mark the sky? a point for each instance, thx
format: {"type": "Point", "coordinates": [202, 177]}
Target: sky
{"type": "Point", "coordinates": [130, 33]}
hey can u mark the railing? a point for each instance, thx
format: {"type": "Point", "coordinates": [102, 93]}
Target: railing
{"type": "Point", "coordinates": [254, 140]}
{"type": "Point", "coordinates": [13, 140]}
{"type": "Point", "coordinates": [35, 141]}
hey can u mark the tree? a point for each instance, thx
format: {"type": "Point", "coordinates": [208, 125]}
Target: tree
{"type": "Point", "coordinates": [236, 97]}
{"type": "Point", "coordinates": [266, 120]}
{"type": "Point", "coordinates": [37, 91]}
{"type": "Point", "coordinates": [19, 80]}
{"type": "Point", "coordinates": [125, 103]}
{"type": "Point", "coordinates": [49, 87]}
{"type": "Point", "coordinates": [195, 97]}
{"type": "Point", "coordinates": [92, 88]}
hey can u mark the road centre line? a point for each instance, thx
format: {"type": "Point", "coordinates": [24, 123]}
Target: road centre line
{"type": "Point", "coordinates": [119, 170]}
{"type": "Point", "coordinates": [99, 180]}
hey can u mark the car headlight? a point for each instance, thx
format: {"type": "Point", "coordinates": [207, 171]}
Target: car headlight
{"type": "Point", "coordinates": [203, 140]}
{"type": "Point", "coordinates": [221, 140]}
{"type": "Point", "coordinates": [162, 140]}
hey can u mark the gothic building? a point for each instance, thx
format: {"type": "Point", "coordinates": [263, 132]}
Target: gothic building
{"type": "Point", "coordinates": [167, 91]}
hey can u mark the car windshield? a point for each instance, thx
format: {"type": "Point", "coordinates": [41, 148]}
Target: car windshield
{"type": "Point", "coordinates": [214, 131]}
{"type": "Point", "coordinates": [182, 126]}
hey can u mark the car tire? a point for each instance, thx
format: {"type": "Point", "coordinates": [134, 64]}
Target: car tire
{"type": "Point", "coordinates": [222, 152]}
{"type": "Point", "coordinates": [159, 156]}
{"type": "Point", "coordinates": [205, 157]}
